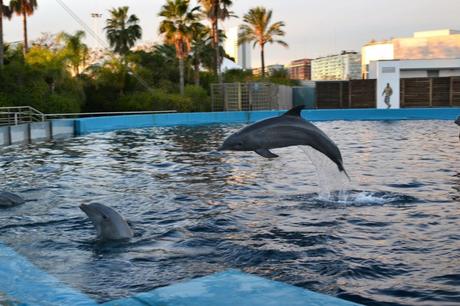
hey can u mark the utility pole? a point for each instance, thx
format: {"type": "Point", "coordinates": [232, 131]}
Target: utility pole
{"type": "Point", "coordinates": [96, 17]}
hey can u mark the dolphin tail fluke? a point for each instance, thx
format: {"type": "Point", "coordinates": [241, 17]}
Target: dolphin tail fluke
{"type": "Point", "coordinates": [342, 169]}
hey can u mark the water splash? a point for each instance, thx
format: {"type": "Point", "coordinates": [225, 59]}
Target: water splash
{"type": "Point", "coordinates": [333, 184]}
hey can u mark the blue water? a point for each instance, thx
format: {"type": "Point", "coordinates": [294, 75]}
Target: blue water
{"type": "Point", "coordinates": [390, 238]}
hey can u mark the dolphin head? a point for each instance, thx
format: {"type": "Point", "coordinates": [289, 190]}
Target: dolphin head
{"type": "Point", "coordinates": [236, 142]}
{"type": "Point", "coordinates": [109, 224]}
{"type": "Point", "coordinates": [458, 120]}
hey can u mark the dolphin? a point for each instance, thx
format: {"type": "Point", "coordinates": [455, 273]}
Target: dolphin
{"type": "Point", "coordinates": [289, 129]}
{"type": "Point", "coordinates": [8, 199]}
{"type": "Point", "coordinates": [109, 224]}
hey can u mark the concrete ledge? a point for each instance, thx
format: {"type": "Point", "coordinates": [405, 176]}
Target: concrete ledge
{"type": "Point", "coordinates": [40, 131]}
{"type": "Point", "coordinates": [231, 288]}
{"type": "Point", "coordinates": [4, 135]}
{"type": "Point", "coordinates": [102, 124]}
{"type": "Point", "coordinates": [62, 128]}
{"type": "Point", "coordinates": [19, 133]}
{"type": "Point", "coordinates": [23, 282]}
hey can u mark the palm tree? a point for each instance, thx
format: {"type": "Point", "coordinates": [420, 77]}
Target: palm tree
{"type": "Point", "coordinates": [177, 28]}
{"type": "Point", "coordinates": [24, 8]}
{"type": "Point", "coordinates": [4, 11]}
{"type": "Point", "coordinates": [75, 50]}
{"type": "Point", "coordinates": [200, 49]}
{"type": "Point", "coordinates": [216, 10]}
{"type": "Point", "coordinates": [122, 30]}
{"type": "Point", "coordinates": [259, 30]}
{"type": "Point", "coordinates": [203, 52]}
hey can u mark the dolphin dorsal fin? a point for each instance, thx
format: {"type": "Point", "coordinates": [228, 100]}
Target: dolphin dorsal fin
{"type": "Point", "coordinates": [295, 111]}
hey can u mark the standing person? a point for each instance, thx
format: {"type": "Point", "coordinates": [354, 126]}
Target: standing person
{"type": "Point", "coordinates": [458, 123]}
{"type": "Point", "coordinates": [387, 92]}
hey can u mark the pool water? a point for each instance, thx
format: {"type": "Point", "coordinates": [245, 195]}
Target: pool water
{"type": "Point", "coordinates": [391, 238]}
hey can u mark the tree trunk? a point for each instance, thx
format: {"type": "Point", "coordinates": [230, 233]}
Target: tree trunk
{"type": "Point", "coordinates": [2, 47]}
{"type": "Point", "coordinates": [181, 73]}
{"type": "Point", "coordinates": [197, 73]}
{"type": "Point", "coordinates": [214, 44]}
{"type": "Point", "coordinates": [262, 60]}
{"type": "Point", "coordinates": [219, 74]}
{"type": "Point", "coordinates": [24, 25]}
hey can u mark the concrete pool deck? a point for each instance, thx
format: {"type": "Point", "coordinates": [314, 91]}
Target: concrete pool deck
{"type": "Point", "coordinates": [24, 284]}
{"type": "Point", "coordinates": [103, 124]}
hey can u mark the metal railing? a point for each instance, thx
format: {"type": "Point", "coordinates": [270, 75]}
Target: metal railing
{"type": "Point", "coordinates": [97, 114]}
{"type": "Point", "coordinates": [250, 96]}
{"type": "Point", "coordinates": [15, 115]}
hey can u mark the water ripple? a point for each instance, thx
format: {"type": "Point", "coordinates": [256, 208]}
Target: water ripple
{"type": "Point", "coordinates": [391, 238]}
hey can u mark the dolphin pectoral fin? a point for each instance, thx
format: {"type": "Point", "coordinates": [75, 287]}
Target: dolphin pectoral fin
{"type": "Point", "coordinates": [265, 153]}
{"type": "Point", "coordinates": [295, 111]}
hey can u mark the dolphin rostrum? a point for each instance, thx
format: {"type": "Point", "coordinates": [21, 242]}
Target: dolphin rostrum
{"type": "Point", "coordinates": [8, 199]}
{"type": "Point", "coordinates": [289, 129]}
{"type": "Point", "coordinates": [109, 224]}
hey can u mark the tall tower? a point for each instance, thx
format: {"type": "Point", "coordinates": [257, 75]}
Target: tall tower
{"type": "Point", "coordinates": [242, 53]}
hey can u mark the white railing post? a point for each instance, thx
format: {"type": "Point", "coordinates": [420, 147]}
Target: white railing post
{"type": "Point", "coordinates": [15, 118]}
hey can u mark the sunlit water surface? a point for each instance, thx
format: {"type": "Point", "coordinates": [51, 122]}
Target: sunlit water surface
{"type": "Point", "coordinates": [392, 238]}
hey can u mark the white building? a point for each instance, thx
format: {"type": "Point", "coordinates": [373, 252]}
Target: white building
{"type": "Point", "coordinates": [241, 53]}
{"type": "Point", "coordinates": [437, 44]}
{"type": "Point", "coordinates": [391, 71]}
{"type": "Point", "coordinates": [343, 66]}
{"type": "Point", "coordinates": [269, 70]}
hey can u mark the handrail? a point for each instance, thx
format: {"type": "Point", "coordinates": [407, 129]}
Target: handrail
{"type": "Point", "coordinates": [109, 113]}
{"type": "Point", "coordinates": [14, 115]}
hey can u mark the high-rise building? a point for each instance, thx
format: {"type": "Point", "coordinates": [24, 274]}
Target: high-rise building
{"type": "Point", "coordinates": [300, 69]}
{"type": "Point", "coordinates": [269, 70]}
{"type": "Point", "coordinates": [343, 66]}
{"type": "Point", "coordinates": [437, 44]}
{"type": "Point", "coordinates": [240, 53]}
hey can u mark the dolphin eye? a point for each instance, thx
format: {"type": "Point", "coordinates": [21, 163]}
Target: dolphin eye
{"type": "Point", "coordinates": [104, 217]}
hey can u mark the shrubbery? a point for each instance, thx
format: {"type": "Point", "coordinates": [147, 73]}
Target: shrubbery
{"type": "Point", "coordinates": [142, 81]}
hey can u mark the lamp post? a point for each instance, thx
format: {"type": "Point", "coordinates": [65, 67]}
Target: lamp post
{"type": "Point", "coordinates": [96, 17]}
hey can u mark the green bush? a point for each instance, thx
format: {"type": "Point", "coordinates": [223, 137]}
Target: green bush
{"type": "Point", "coordinates": [156, 99]}
{"type": "Point", "coordinates": [201, 102]}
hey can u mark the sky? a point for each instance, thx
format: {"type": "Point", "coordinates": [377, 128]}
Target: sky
{"type": "Point", "coordinates": [313, 27]}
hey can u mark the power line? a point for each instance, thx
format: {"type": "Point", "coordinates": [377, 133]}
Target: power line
{"type": "Point", "coordinates": [99, 41]}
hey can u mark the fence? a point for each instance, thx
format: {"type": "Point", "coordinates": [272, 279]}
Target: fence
{"type": "Point", "coordinates": [430, 92]}
{"type": "Point", "coordinates": [346, 94]}
{"type": "Point", "coordinates": [414, 92]}
{"type": "Point", "coordinates": [250, 96]}
{"type": "Point", "coordinates": [15, 115]}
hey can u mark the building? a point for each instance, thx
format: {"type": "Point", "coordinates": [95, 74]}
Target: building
{"type": "Point", "coordinates": [437, 44]}
{"type": "Point", "coordinates": [418, 68]}
{"type": "Point", "coordinates": [269, 70]}
{"type": "Point", "coordinates": [392, 71]}
{"type": "Point", "coordinates": [300, 69]}
{"type": "Point", "coordinates": [343, 66]}
{"type": "Point", "coordinates": [240, 53]}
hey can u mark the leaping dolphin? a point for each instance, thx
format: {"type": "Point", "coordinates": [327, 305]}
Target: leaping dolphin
{"type": "Point", "coordinates": [8, 199]}
{"type": "Point", "coordinates": [109, 224]}
{"type": "Point", "coordinates": [289, 129]}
